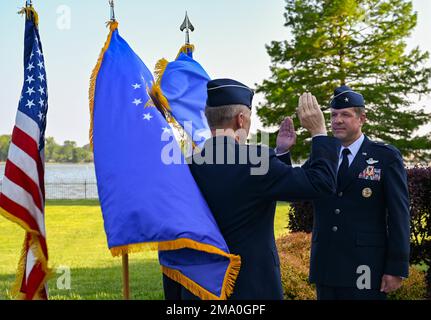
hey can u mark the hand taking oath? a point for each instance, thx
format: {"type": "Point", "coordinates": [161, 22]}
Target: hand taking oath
{"type": "Point", "coordinates": [310, 115]}
{"type": "Point", "coordinates": [286, 137]}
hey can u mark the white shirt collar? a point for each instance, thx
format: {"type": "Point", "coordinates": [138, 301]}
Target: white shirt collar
{"type": "Point", "coordinates": [354, 148]}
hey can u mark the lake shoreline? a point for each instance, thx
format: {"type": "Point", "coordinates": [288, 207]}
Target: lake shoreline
{"type": "Point", "coordinates": [67, 181]}
{"type": "Point", "coordinates": [64, 172]}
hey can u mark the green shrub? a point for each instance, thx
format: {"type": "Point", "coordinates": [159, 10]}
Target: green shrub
{"type": "Point", "coordinates": [420, 211]}
{"type": "Point", "coordinates": [294, 251]}
{"type": "Point", "coordinates": [419, 182]}
{"type": "Point", "coordinates": [300, 216]}
{"type": "Point", "coordinates": [413, 288]}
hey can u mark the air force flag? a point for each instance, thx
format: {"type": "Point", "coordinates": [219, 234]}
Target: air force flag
{"type": "Point", "coordinates": [182, 84]}
{"type": "Point", "coordinates": [146, 203]}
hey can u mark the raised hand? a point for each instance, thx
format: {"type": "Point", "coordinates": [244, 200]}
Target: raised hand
{"type": "Point", "coordinates": [286, 137]}
{"type": "Point", "coordinates": [310, 115]}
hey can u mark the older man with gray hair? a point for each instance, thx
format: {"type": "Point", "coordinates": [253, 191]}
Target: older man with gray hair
{"type": "Point", "coordinates": [243, 201]}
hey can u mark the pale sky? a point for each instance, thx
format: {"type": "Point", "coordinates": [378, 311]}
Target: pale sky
{"type": "Point", "coordinates": [230, 40]}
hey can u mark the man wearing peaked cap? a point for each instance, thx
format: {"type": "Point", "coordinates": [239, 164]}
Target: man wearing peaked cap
{"type": "Point", "coordinates": [361, 235]}
{"type": "Point", "coordinates": [242, 192]}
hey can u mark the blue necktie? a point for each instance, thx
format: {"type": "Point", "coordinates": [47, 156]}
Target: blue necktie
{"type": "Point", "coordinates": [344, 168]}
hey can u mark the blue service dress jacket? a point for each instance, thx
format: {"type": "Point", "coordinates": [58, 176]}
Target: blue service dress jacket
{"type": "Point", "coordinates": [366, 224]}
{"type": "Point", "coordinates": [243, 204]}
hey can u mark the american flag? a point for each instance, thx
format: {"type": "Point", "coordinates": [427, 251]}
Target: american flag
{"type": "Point", "coordinates": [22, 197]}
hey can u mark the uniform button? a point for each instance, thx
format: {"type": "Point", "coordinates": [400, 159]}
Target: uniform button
{"type": "Point", "coordinates": [335, 228]}
{"type": "Point", "coordinates": [340, 194]}
{"type": "Point", "coordinates": [337, 211]}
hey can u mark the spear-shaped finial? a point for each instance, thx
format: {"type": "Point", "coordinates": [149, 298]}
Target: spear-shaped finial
{"type": "Point", "coordinates": [187, 25]}
{"type": "Point", "coordinates": [111, 4]}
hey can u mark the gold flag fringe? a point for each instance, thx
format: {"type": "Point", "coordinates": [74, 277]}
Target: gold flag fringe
{"type": "Point", "coordinates": [16, 287]}
{"type": "Point", "coordinates": [159, 69]}
{"type": "Point", "coordinates": [30, 14]}
{"type": "Point", "coordinates": [161, 102]}
{"type": "Point", "coordinates": [185, 49]}
{"type": "Point", "coordinates": [34, 245]}
{"type": "Point", "coordinates": [113, 25]}
{"type": "Point", "coordinates": [37, 252]}
{"type": "Point", "coordinates": [230, 276]}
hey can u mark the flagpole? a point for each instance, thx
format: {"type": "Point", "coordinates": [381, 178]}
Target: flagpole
{"type": "Point", "coordinates": [126, 287]}
{"type": "Point", "coordinates": [111, 4]}
{"type": "Point", "coordinates": [187, 26]}
{"type": "Point", "coordinates": [125, 256]}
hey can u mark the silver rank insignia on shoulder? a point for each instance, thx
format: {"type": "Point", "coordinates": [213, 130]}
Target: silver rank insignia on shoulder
{"type": "Point", "coordinates": [371, 161]}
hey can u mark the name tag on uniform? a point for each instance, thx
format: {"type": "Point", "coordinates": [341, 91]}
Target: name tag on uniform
{"type": "Point", "coordinates": [371, 173]}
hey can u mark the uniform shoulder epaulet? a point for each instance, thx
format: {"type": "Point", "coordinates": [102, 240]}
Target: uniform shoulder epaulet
{"type": "Point", "coordinates": [387, 147]}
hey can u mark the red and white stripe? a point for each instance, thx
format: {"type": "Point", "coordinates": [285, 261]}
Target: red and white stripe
{"type": "Point", "coordinates": [23, 197]}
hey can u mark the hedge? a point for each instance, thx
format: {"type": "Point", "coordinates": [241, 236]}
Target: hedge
{"type": "Point", "coordinates": [294, 251]}
{"type": "Point", "coordinates": [419, 183]}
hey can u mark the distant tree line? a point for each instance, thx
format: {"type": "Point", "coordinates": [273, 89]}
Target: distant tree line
{"type": "Point", "coordinates": [69, 152]}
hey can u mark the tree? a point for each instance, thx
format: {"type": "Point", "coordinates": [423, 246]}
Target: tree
{"type": "Point", "coordinates": [4, 146]}
{"type": "Point", "coordinates": [67, 151]}
{"type": "Point", "coordinates": [82, 155]}
{"type": "Point", "coordinates": [54, 152]}
{"type": "Point", "coordinates": [51, 149]}
{"type": "Point", "coordinates": [360, 43]}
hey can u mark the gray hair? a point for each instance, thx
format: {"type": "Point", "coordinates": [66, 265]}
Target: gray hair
{"type": "Point", "coordinates": [359, 111]}
{"type": "Point", "coordinates": [218, 117]}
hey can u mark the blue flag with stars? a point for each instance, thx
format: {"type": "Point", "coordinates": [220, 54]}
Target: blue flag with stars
{"type": "Point", "coordinates": [147, 203]}
{"type": "Point", "coordinates": [34, 95]}
{"type": "Point", "coordinates": [183, 83]}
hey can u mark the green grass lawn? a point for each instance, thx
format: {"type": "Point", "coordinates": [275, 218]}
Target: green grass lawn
{"type": "Point", "coordinates": [76, 239]}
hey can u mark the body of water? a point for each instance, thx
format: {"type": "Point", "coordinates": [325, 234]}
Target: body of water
{"type": "Point", "coordinates": [67, 181]}
{"type": "Point", "coordinates": [66, 173]}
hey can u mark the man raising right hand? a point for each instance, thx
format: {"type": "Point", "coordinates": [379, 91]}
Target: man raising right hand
{"type": "Point", "coordinates": [243, 203]}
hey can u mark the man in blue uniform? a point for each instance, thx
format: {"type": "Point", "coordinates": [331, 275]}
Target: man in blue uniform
{"type": "Point", "coordinates": [361, 235]}
{"type": "Point", "coordinates": [241, 183]}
